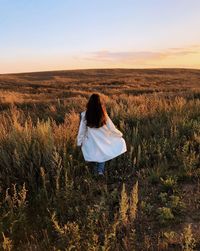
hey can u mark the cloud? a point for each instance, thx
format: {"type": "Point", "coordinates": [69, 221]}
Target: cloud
{"type": "Point", "coordinates": [126, 55]}
{"type": "Point", "coordinates": [184, 51]}
{"type": "Point", "coordinates": [140, 56]}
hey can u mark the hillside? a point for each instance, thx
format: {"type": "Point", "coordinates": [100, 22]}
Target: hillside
{"type": "Point", "coordinates": [149, 198]}
{"type": "Point", "coordinates": [33, 87]}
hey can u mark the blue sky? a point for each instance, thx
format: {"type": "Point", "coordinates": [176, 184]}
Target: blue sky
{"type": "Point", "coordinates": [70, 34]}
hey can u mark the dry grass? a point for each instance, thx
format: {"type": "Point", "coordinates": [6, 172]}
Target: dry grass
{"type": "Point", "coordinates": [49, 198]}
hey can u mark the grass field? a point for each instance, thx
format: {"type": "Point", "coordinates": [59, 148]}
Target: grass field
{"type": "Point", "coordinates": [150, 196]}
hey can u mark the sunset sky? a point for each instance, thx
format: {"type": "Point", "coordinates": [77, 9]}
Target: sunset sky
{"type": "Point", "coordinates": [38, 35]}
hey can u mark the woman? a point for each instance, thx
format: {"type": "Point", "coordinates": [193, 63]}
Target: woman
{"type": "Point", "coordinates": [98, 137]}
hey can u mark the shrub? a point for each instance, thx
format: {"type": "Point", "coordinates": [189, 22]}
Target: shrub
{"type": "Point", "coordinates": [165, 215]}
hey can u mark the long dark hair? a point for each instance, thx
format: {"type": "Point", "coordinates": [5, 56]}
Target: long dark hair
{"type": "Point", "coordinates": [96, 112]}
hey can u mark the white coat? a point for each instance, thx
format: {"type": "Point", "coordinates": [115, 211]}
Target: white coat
{"type": "Point", "coordinates": [100, 144]}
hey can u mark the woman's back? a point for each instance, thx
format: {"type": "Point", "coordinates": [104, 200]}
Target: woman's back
{"type": "Point", "coordinates": [100, 144]}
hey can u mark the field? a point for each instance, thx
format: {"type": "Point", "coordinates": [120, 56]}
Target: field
{"type": "Point", "coordinates": [149, 198]}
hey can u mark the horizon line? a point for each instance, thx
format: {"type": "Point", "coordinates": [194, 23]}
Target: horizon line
{"type": "Point", "coordinates": [111, 68]}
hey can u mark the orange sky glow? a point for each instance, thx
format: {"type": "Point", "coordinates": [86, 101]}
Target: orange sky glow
{"type": "Point", "coordinates": [61, 35]}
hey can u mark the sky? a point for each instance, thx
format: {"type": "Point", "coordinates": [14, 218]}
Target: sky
{"type": "Point", "coordinates": [42, 35]}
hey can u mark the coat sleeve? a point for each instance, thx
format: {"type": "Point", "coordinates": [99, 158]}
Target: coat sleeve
{"type": "Point", "coordinates": [81, 130]}
{"type": "Point", "coordinates": [112, 127]}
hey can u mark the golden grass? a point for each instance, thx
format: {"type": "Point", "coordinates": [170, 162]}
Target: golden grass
{"type": "Point", "coordinates": [50, 200]}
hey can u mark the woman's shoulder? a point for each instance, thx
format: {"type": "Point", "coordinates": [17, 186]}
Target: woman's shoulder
{"type": "Point", "coordinates": [83, 113]}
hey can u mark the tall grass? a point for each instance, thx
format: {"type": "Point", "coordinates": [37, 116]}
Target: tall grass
{"type": "Point", "coordinates": [49, 199]}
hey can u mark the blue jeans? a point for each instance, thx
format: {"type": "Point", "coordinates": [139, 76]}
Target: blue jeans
{"type": "Point", "coordinates": [100, 167]}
